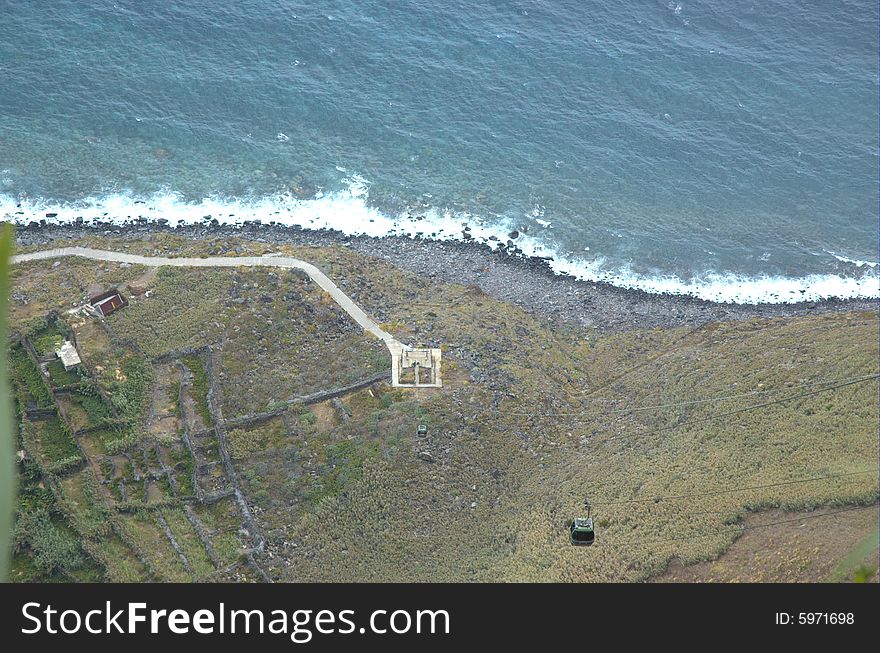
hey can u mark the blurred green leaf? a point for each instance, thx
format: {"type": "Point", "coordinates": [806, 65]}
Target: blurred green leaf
{"type": "Point", "coordinates": [7, 424]}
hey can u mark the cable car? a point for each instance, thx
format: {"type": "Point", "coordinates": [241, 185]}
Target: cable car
{"type": "Point", "coordinates": [582, 531]}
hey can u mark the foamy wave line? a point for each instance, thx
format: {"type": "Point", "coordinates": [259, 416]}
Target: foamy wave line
{"type": "Point", "coordinates": [857, 262]}
{"type": "Point", "coordinates": [347, 211]}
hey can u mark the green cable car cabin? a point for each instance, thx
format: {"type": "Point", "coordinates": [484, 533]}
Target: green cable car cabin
{"type": "Point", "coordinates": [582, 531]}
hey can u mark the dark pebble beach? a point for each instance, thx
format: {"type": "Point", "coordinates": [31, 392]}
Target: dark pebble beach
{"type": "Point", "coordinates": [503, 273]}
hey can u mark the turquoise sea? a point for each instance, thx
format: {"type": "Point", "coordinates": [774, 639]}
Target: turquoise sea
{"type": "Point", "coordinates": [727, 150]}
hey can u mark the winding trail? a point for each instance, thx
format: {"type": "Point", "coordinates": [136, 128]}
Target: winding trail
{"type": "Point", "coordinates": [344, 301]}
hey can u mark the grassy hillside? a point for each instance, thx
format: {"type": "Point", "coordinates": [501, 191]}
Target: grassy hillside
{"type": "Point", "coordinates": [534, 418]}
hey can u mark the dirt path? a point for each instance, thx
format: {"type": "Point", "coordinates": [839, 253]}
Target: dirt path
{"type": "Point", "coordinates": [355, 311]}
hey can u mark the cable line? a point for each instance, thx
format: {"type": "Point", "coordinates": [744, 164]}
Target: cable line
{"type": "Point", "coordinates": [769, 403]}
{"type": "Point", "coordinates": [689, 495]}
{"type": "Point", "coordinates": [700, 401]}
{"type": "Point", "coordinates": [742, 529]}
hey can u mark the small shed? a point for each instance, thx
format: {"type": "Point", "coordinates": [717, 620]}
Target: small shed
{"type": "Point", "coordinates": [107, 303]}
{"type": "Point", "coordinates": [68, 355]}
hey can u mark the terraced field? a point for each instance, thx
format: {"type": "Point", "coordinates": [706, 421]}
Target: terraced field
{"type": "Point", "coordinates": [174, 455]}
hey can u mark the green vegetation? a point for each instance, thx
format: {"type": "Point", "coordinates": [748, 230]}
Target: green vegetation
{"type": "Point", "coordinates": [120, 562]}
{"type": "Point", "coordinates": [33, 495]}
{"type": "Point", "coordinates": [61, 377]}
{"type": "Point", "coordinates": [533, 419]}
{"type": "Point", "coordinates": [267, 436]}
{"type": "Point", "coordinates": [291, 328]}
{"type": "Point", "coordinates": [174, 397]}
{"type": "Point", "coordinates": [104, 440]}
{"type": "Point", "coordinates": [864, 574]}
{"type": "Point", "coordinates": [85, 409]}
{"type": "Point", "coordinates": [48, 338]}
{"type": "Point", "coordinates": [129, 393]}
{"type": "Point", "coordinates": [200, 388]}
{"type": "Point", "coordinates": [44, 546]}
{"type": "Point", "coordinates": [28, 381]}
{"type": "Point", "coordinates": [58, 444]}
{"type": "Point", "coordinates": [155, 546]}
{"type": "Point", "coordinates": [344, 461]}
{"type": "Point", "coordinates": [853, 564]}
{"type": "Point", "coordinates": [221, 519]}
{"type": "Point", "coordinates": [128, 385]}
{"type": "Point", "coordinates": [85, 505]}
{"type": "Point", "coordinates": [54, 548]}
{"type": "Point", "coordinates": [189, 311]}
{"type": "Point", "coordinates": [93, 404]}
{"type": "Point", "coordinates": [184, 465]}
{"type": "Point", "coordinates": [186, 537]}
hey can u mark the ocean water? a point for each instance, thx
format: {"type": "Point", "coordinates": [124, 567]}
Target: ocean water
{"type": "Point", "coordinates": [727, 150]}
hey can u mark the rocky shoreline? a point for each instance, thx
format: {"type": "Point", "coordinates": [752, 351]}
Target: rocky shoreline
{"type": "Point", "coordinates": [503, 274]}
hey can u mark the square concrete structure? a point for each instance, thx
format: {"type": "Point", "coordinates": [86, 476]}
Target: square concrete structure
{"type": "Point", "coordinates": [68, 355]}
{"type": "Point", "coordinates": [425, 364]}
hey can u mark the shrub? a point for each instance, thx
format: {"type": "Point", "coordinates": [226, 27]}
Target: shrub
{"type": "Point", "coordinates": [95, 408]}
{"type": "Point", "coordinates": [28, 379]}
{"type": "Point", "coordinates": [864, 574]}
{"type": "Point", "coordinates": [183, 464]}
{"type": "Point", "coordinates": [200, 387]}
{"type": "Point", "coordinates": [53, 548]}
{"type": "Point", "coordinates": [308, 418]}
{"type": "Point", "coordinates": [129, 395]}
{"type": "Point", "coordinates": [48, 343]}
{"type": "Point", "coordinates": [61, 377]}
{"type": "Point", "coordinates": [58, 444]}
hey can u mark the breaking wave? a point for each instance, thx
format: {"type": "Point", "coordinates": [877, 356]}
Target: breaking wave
{"type": "Point", "coordinates": [348, 212]}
